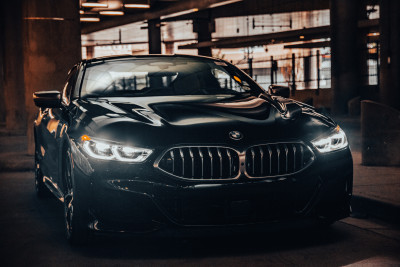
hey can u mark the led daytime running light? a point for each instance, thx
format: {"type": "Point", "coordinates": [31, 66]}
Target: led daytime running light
{"type": "Point", "coordinates": [335, 141]}
{"type": "Point", "coordinates": [106, 151]}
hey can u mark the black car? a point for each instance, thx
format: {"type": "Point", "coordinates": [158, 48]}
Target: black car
{"type": "Point", "coordinates": [146, 143]}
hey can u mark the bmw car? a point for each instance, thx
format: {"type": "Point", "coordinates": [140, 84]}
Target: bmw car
{"type": "Point", "coordinates": [143, 144]}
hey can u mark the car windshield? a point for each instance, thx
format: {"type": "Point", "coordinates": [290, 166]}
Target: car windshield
{"type": "Point", "coordinates": [163, 76]}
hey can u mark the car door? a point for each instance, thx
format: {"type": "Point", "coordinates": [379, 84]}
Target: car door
{"type": "Point", "coordinates": [52, 129]}
{"type": "Point", "coordinates": [63, 117]}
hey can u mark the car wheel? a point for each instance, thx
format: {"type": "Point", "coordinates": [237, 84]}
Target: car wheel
{"type": "Point", "coordinates": [76, 229]}
{"type": "Point", "coordinates": [41, 189]}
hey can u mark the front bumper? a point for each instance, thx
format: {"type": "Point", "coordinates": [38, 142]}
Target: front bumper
{"type": "Point", "coordinates": [138, 198]}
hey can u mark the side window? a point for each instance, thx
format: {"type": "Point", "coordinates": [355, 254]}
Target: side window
{"type": "Point", "coordinates": [69, 85]}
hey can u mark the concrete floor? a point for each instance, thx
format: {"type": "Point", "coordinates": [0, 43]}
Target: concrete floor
{"type": "Point", "coordinates": [31, 233]}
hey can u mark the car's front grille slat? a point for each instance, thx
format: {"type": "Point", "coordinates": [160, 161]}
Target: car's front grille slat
{"type": "Point", "coordinates": [286, 157]}
{"type": "Point", "coordinates": [183, 161]}
{"type": "Point", "coordinates": [301, 153]}
{"type": "Point", "coordinates": [172, 156]}
{"type": "Point", "coordinates": [202, 162]}
{"type": "Point", "coordinates": [278, 159]}
{"type": "Point", "coordinates": [261, 159]}
{"type": "Point", "coordinates": [278, 152]}
{"type": "Point", "coordinates": [220, 161]}
{"type": "Point", "coordinates": [211, 162]}
{"type": "Point", "coordinates": [192, 157]}
{"type": "Point", "coordinates": [228, 153]}
{"type": "Point", "coordinates": [294, 156]}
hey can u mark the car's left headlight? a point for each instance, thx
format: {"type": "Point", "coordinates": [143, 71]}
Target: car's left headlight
{"type": "Point", "coordinates": [112, 151]}
{"type": "Point", "coordinates": [334, 141]}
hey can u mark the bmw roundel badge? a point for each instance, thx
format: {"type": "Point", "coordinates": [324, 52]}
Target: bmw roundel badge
{"type": "Point", "coordinates": [235, 135]}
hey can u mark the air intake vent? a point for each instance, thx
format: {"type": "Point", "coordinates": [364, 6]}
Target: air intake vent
{"type": "Point", "coordinates": [277, 159]}
{"type": "Point", "coordinates": [201, 162]}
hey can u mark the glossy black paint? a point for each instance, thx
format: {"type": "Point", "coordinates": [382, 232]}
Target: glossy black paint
{"type": "Point", "coordinates": [138, 197]}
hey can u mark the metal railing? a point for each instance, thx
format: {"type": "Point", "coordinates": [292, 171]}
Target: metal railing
{"type": "Point", "coordinates": [300, 72]}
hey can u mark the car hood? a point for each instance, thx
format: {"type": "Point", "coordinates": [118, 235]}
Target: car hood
{"type": "Point", "coordinates": [155, 121]}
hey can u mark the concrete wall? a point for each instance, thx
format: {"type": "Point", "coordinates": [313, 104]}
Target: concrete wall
{"type": "Point", "coordinates": [12, 82]}
{"type": "Point", "coordinates": [322, 100]}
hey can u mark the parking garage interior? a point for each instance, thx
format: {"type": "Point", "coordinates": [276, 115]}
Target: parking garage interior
{"type": "Point", "coordinates": [342, 57]}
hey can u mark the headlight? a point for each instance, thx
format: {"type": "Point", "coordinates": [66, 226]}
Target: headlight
{"type": "Point", "coordinates": [110, 151]}
{"type": "Point", "coordinates": [335, 141]}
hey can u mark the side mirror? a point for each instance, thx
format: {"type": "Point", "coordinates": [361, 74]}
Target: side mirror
{"type": "Point", "coordinates": [47, 99]}
{"type": "Point", "coordinates": [279, 90]}
{"type": "Point", "coordinates": [292, 110]}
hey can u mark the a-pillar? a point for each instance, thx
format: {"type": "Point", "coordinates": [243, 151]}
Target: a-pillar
{"type": "Point", "coordinates": [203, 27]}
{"type": "Point", "coordinates": [154, 34]}
{"type": "Point", "coordinates": [390, 53]}
{"type": "Point", "coordinates": [12, 76]}
{"type": "Point", "coordinates": [344, 59]}
{"type": "Point", "coordinates": [52, 45]}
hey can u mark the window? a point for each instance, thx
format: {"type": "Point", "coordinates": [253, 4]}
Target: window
{"type": "Point", "coordinates": [69, 85]}
{"type": "Point", "coordinates": [162, 76]}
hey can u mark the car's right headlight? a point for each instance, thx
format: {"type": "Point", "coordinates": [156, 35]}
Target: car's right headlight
{"type": "Point", "coordinates": [334, 141]}
{"type": "Point", "coordinates": [113, 151]}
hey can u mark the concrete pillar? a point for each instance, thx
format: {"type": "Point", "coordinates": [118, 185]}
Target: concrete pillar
{"type": "Point", "coordinates": [154, 33]}
{"type": "Point", "coordinates": [52, 45]}
{"type": "Point", "coordinates": [390, 53]}
{"type": "Point", "coordinates": [362, 40]}
{"type": "Point", "coordinates": [344, 59]}
{"type": "Point", "coordinates": [2, 42]}
{"type": "Point", "coordinates": [203, 27]}
{"type": "Point", "coordinates": [12, 66]}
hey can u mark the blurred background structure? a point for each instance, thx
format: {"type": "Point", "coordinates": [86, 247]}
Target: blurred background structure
{"type": "Point", "coordinates": [341, 56]}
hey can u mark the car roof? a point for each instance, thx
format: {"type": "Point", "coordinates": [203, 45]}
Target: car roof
{"type": "Point", "coordinates": [147, 56]}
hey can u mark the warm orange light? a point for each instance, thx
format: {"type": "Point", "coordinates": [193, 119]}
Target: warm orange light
{"type": "Point", "coordinates": [81, 12]}
{"type": "Point", "coordinates": [180, 13]}
{"type": "Point", "coordinates": [301, 36]}
{"type": "Point", "coordinates": [111, 13]}
{"type": "Point", "coordinates": [137, 6]}
{"type": "Point", "coordinates": [237, 79]}
{"type": "Point", "coordinates": [43, 18]}
{"type": "Point", "coordinates": [90, 19]}
{"type": "Point", "coordinates": [373, 34]}
{"type": "Point", "coordinates": [89, 4]}
{"type": "Point", "coordinates": [85, 138]}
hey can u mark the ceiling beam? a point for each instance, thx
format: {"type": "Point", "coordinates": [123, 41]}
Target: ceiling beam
{"type": "Point", "coordinates": [155, 13]}
{"type": "Point", "coordinates": [243, 8]}
{"type": "Point", "coordinates": [305, 34]}
{"type": "Point", "coordinates": [264, 39]}
{"type": "Point", "coordinates": [309, 45]}
{"type": "Point", "coordinates": [259, 7]}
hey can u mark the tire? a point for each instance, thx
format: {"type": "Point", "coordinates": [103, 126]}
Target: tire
{"type": "Point", "coordinates": [41, 189]}
{"type": "Point", "coordinates": [75, 215]}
